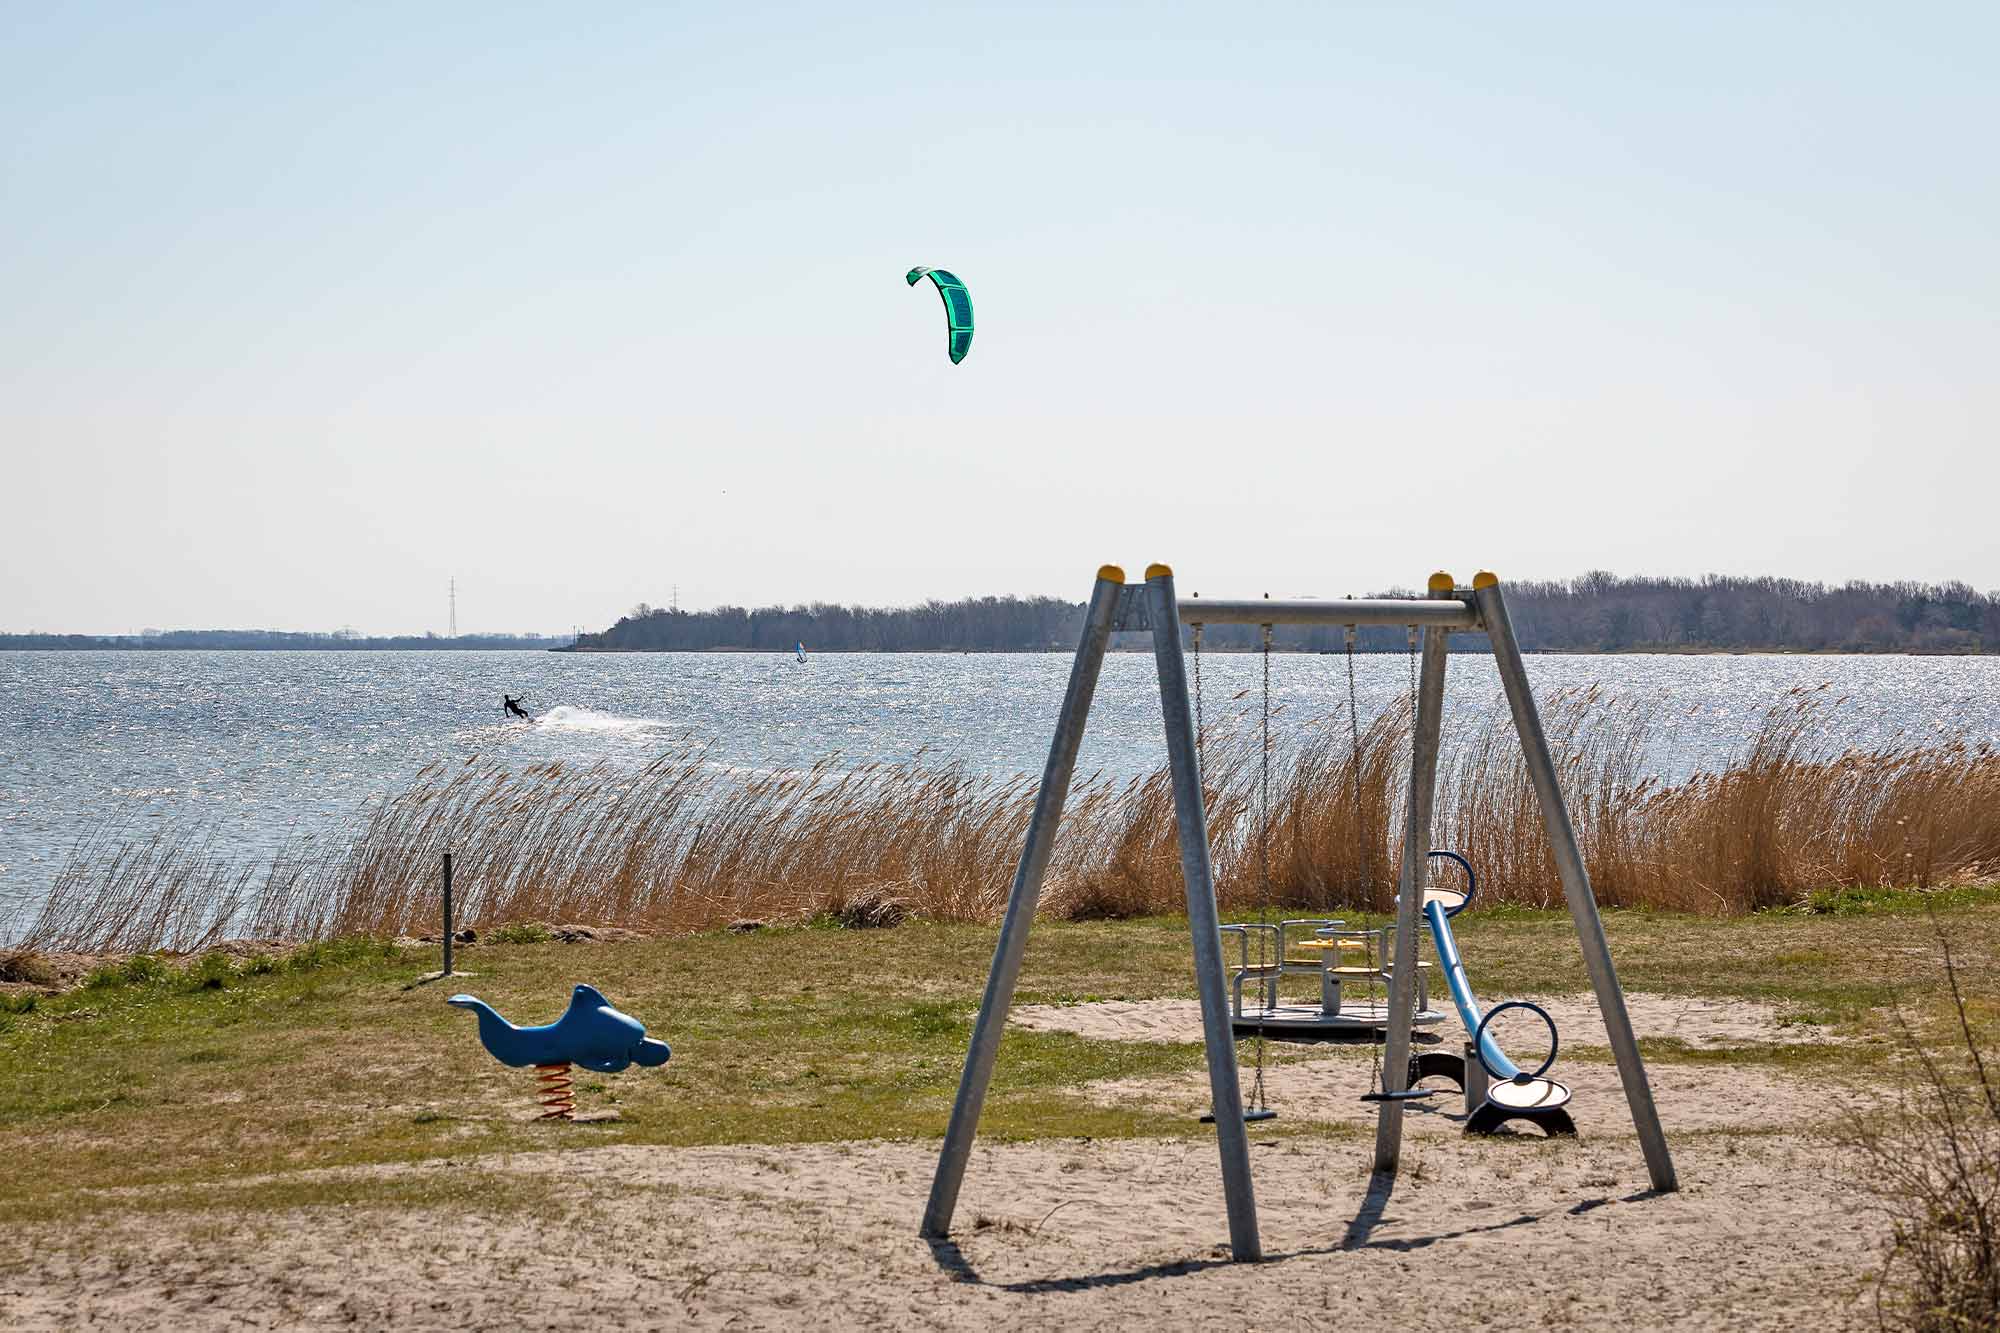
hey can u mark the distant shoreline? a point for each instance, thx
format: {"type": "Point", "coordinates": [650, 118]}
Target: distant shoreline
{"type": "Point", "coordinates": [259, 641]}
{"type": "Point", "coordinates": [1472, 647]}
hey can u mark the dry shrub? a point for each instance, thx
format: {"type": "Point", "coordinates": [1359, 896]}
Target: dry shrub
{"type": "Point", "coordinates": [23, 967]}
{"type": "Point", "coordinates": [872, 911]}
{"type": "Point", "coordinates": [1933, 1166]}
{"type": "Point", "coordinates": [685, 844]}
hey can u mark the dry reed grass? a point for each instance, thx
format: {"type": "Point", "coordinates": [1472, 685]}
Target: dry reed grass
{"type": "Point", "coordinates": [684, 844]}
{"type": "Point", "coordinates": [1931, 1162]}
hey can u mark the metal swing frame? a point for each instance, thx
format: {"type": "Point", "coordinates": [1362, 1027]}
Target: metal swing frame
{"type": "Point", "coordinates": [1155, 607]}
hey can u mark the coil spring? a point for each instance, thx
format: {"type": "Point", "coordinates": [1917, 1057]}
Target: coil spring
{"type": "Point", "coordinates": [556, 1092]}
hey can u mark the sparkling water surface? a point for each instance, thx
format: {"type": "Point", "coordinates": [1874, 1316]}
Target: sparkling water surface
{"type": "Point", "coordinates": [263, 748]}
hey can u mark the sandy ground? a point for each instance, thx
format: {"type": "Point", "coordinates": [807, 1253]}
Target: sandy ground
{"type": "Point", "coordinates": [1488, 1233]}
{"type": "Point", "coordinates": [1514, 1232]}
{"type": "Point", "coordinates": [1709, 1024]}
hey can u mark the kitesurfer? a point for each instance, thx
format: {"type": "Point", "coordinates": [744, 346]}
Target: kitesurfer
{"type": "Point", "coordinates": [512, 704]}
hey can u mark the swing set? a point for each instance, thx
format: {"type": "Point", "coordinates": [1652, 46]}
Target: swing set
{"type": "Point", "coordinates": [1154, 607]}
{"type": "Point", "coordinates": [1325, 943]}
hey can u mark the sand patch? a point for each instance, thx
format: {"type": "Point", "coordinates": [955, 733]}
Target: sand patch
{"type": "Point", "coordinates": [1070, 1234]}
{"type": "Point", "coordinates": [1328, 1087]}
{"type": "Point", "coordinates": [1702, 1023]}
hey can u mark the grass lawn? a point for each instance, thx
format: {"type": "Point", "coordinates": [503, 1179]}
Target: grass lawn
{"type": "Point", "coordinates": [158, 1088]}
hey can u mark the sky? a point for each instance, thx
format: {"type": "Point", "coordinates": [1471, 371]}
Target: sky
{"type": "Point", "coordinates": [311, 309]}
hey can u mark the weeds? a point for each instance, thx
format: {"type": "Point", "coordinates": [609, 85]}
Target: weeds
{"type": "Point", "coordinates": [139, 970]}
{"type": "Point", "coordinates": [218, 970]}
{"type": "Point", "coordinates": [682, 845]}
{"type": "Point", "coordinates": [1933, 1165]}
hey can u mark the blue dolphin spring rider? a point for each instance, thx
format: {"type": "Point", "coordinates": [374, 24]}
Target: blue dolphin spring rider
{"type": "Point", "coordinates": [590, 1033]}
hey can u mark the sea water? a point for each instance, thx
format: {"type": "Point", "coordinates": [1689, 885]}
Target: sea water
{"type": "Point", "coordinates": [262, 748]}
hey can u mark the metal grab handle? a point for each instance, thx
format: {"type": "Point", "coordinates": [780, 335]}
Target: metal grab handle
{"type": "Point", "coordinates": [1471, 880]}
{"type": "Point", "coordinates": [1519, 1076]}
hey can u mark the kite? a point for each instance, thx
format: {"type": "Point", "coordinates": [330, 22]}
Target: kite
{"type": "Point", "coordinates": [957, 309]}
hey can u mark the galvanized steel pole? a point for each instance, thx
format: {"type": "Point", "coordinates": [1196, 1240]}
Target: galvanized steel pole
{"type": "Point", "coordinates": [1575, 881]}
{"type": "Point", "coordinates": [1021, 902]}
{"type": "Point", "coordinates": [1198, 872]}
{"type": "Point", "coordinates": [1425, 733]}
{"type": "Point", "coordinates": [1449, 613]}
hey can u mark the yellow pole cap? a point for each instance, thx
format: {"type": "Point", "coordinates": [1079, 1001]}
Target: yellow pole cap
{"type": "Point", "coordinates": [1111, 573]}
{"type": "Point", "coordinates": [1442, 582]}
{"type": "Point", "coordinates": [1485, 578]}
{"type": "Point", "coordinates": [1159, 572]}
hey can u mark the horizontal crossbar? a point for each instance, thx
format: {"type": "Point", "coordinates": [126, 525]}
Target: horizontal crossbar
{"type": "Point", "coordinates": [1448, 613]}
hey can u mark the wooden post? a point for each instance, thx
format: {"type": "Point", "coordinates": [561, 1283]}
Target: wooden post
{"type": "Point", "coordinates": [447, 914]}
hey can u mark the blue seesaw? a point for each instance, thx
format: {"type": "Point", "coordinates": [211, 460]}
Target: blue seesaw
{"type": "Point", "coordinates": [1508, 1092]}
{"type": "Point", "coordinates": [590, 1033]}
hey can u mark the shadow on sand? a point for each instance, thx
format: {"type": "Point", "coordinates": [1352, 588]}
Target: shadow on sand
{"type": "Point", "coordinates": [1357, 1236]}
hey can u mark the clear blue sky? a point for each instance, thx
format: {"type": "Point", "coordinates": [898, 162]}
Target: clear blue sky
{"type": "Point", "coordinates": [310, 308]}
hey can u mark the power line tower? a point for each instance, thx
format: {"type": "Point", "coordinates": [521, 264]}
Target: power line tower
{"type": "Point", "coordinates": [454, 607]}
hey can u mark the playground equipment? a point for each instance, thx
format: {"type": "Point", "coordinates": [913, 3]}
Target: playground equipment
{"type": "Point", "coordinates": [1496, 1089]}
{"type": "Point", "coordinates": [1341, 958]}
{"type": "Point", "coordinates": [1154, 606]}
{"type": "Point", "coordinates": [590, 1033]}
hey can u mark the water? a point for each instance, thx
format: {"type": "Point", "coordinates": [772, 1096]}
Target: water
{"type": "Point", "coordinates": [267, 747]}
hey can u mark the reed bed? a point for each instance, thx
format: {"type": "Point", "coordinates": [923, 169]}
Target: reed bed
{"type": "Point", "coordinates": [685, 844]}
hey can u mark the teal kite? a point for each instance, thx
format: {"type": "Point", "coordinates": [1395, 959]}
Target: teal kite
{"type": "Point", "coordinates": [957, 309]}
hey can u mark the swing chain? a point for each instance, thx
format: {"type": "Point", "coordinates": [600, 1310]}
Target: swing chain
{"type": "Point", "coordinates": [1264, 796]}
{"type": "Point", "coordinates": [1413, 675]}
{"type": "Point", "coordinates": [1200, 731]}
{"type": "Point", "coordinates": [1354, 762]}
{"type": "Point", "coordinates": [1257, 1098]}
{"type": "Point", "coordinates": [1361, 846]}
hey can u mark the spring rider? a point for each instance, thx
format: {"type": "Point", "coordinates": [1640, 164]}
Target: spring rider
{"type": "Point", "coordinates": [590, 1033]}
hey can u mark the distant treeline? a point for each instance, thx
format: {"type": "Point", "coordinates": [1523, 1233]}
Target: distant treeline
{"type": "Point", "coordinates": [1596, 613]}
{"type": "Point", "coordinates": [982, 624]}
{"type": "Point", "coordinates": [277, 639]}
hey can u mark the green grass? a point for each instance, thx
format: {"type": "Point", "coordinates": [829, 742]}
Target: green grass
{"type": "Point", "coordinates": [1852, 901]}
{"type": "Point", "coordinates": [187, 1080]}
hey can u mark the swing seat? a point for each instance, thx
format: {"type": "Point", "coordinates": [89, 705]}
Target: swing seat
{"type": "Point", "coordinates": [1407, 1095]}
{"type": "Point", "coordinates": [1249, 1117]}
